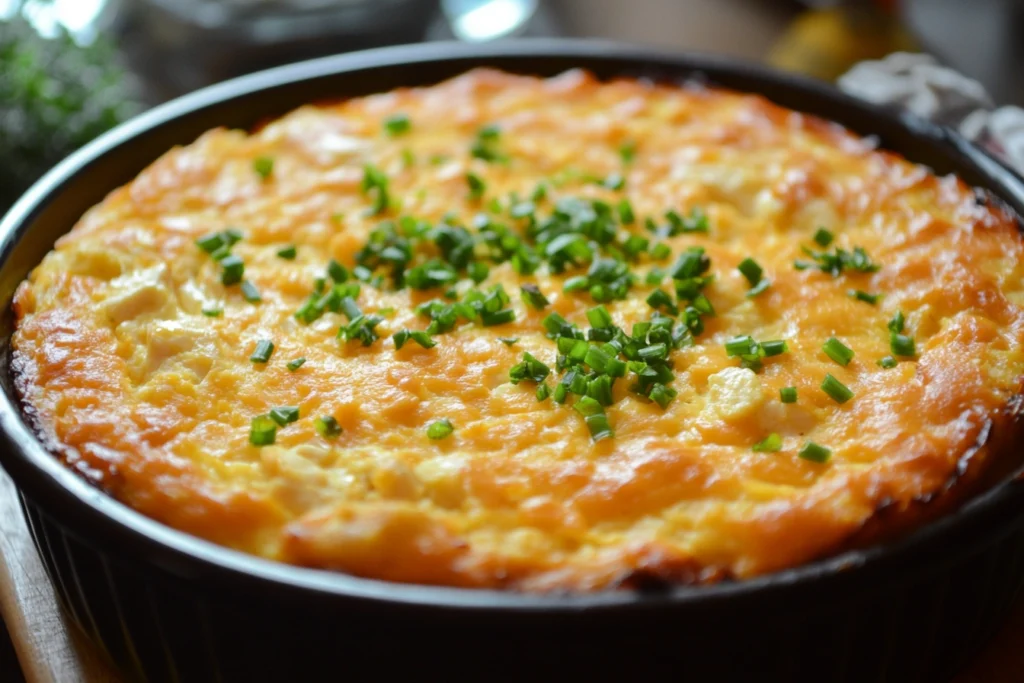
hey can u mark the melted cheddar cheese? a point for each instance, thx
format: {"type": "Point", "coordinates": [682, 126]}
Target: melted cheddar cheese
{"type": "Point", "coordinates": [141, 392]}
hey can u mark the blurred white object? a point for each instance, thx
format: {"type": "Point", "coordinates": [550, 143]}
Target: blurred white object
{"type": "Point", "coordinates": [919, 84]}
{"type": "Point", "coordinates": [482, 20]}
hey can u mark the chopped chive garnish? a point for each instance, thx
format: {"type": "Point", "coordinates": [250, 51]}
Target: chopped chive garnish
{"type": "Point", "coordinates": [758, 288]}
{"type": "Point", "coordinates": [477, 186]}
{"type": "Point", "coordinates": [397, 124]}
{"type": "Point", "coordinates": [626, 215]}
{"type": "Point", "coordinates": [839, 392]}
{"type": "Point", "coordinates": [543, 392]}
{"type": "Point", "coordinates": [533, 296]}
{"type": "Point", "coordinates": [338, 272]}
{"type": "Point", "coordinates": [788, 394]}
{"type": "Point", "coordinates": [498, 317]}
{"type": "Point", "coordinates": [263, 166]}
{"type": "Point", "coordinates": [213, 312]}
{"type": "Point", "coordinates": [660, 251]}
{"type": "Point", "coordinates": [250, 293]}
{"type": "Point", "coordinates": [530, 368]}
{"type": "Point", "coordinates": [262, 431]}
{"type": "Point", "coordinates": [327, 427]}
{"type": "Point", "coordinates": [478, 271]}
{"type": "Point", "coordinates": [419, 336]}
{"type": "Point", "coordinates": [823, 237]}
{"type": "Point", "coordinates": [440, 429]}
{"type": "Point", "coordinates": [901, 345]}
{"type": "Point", "coordinates": [837, 351]}
{"type": "Point", "coordinates": [211, 243]}
{"type": "Point", "coordinates": [834, 263]}
{"type": "Point", "coordinates": [264, 349]}
{"type": "Point", "coordinates": [294, 365]}
{"type": "Point", "coordinates": [815, 452]}
{"type": "Point", "coordinates": [750, 270]}
{"type": "Point", "coordinates": [660, 299]}
{"type": "Point", "coordinates": [614, 181]}
{"type": "Point", "coordinates": [599, 317]}
{"type": "Point", "coordinates": [887, 362]}
{"type": "Point", "coordinates": [741, 346]}
{"type": "Point", "coordinates": [233, 269]}
{"type": "Point", "coordinates": [284, 415]}
{"type": "Point", "coordinates": [897, 323]}
{"type": "Point", "coordinates": [627, 151]}
{"type": "Point", "coordinates": [376, 183]}
{"type": "Point", "coordinates": [508, 341]}
{"type": "Point", "coordinates": [288, 253]}
{"type": "Point", "coordinates": [774, 348]}
{"type": "Point", "coordinates": [662, 395]}
{"type": "Point", "coordinates": [770, 444]}
{"type": "Point", "coordinates": [863, 296]}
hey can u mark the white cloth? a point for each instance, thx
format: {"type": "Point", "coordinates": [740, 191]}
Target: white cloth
{"type": "Point", "coordinates": [918, 83]}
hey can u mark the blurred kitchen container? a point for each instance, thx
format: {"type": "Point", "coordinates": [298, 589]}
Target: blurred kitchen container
{"type": "Point", "coordinates": [180, 45]}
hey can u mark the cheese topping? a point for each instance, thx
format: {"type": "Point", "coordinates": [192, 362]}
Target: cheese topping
{"type": "Point", "coordinates": [417, 336]}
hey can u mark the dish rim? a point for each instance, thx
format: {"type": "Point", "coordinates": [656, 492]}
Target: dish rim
{"type": "Point", "coordinates": [41, 476]}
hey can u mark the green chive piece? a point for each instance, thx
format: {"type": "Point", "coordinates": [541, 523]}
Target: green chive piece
{"type": "Point", "coordinates": [530, 368]}
{"type": "Point", "coordinates": [498, 317]}
{"type": "Point", "coordinates": [823, 237]}
{"type": "Point", "coordinates": [770, 444]}
{"type": "Point", "coordinates": [440, 429]}
{"type": "Point", "coordinates": [897, 323]}
{"type": "Point", "coordinates": [599, 317]}
{"type": "Point", "coordinates": [887, 362]}
{"type": "Point", "coordinates": [284, 415]}
{"type": "Point", "coordinates": [211, 243]}
{"type": "Point", "coordinates": [233, 269]}
{"type": "Point", "coordinates": [627, 151]}
{"type": "Point", "coordinates": [626, 215]}
{"type": "Point", "coordinates": [477, 186]}
{"type": "Point", "coordinates": [338, 272]}
{"type": "Point", "coordinates": [815, 452]}
{"type": "Point", "coordinates": [662, 395]}
{"type": "Point", "coordinates": [533, 296]}
{"type": "Point", "coordinates": [397, 125]}
{"type": "Point", "coordinates": [327, 427]}
{"type": "Point", "coordinates": [543, 392]}
{"type": "Point", "coordinates": [660, 252]}
{"type": "Point", "coordinates": [264, 349]}
{"type": "Point", "coordinates": [839, 392]}
{"type": "Point", "coordinates": [264, 166]}
{"type": "Point", "coordinates": [508, 341]}
{"type": "Point", "coordinates": [262, 431]}
{"type": "Point", "coordinates": [213, 312]}
{"type": "Point", "coordinates": [750, 270]}
{"type": "Point", "coordinates": [774, 348]}
{"type": "Point", "coordinates": [419, 336]}
{"type": "Point", "coordinates": [863, 296]}
{"type": "Point", "coordinates": [250, 293]}
{"type": "Point", "coordinates": [742, 346]}
{"type": "Point", "coordinates": [901, 345]}
{"type": "Point", "coordinates": [294, 365]}
{"type": "Point", "coordinates": [788, 394]}
{"type": "Point", "coordinates": [288, 253]}
{"type": "Point", "coordinates": [837, 351]}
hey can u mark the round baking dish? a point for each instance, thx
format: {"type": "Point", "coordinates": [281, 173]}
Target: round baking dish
{"type": "Point", "coordinates": [166, 606]}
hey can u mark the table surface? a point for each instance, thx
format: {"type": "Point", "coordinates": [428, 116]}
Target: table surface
{"type": "Point", "coordinates": [51, 650]}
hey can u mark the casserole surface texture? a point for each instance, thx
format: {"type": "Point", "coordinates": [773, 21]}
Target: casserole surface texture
{"type": "Point", "coordinates": [133, 357]}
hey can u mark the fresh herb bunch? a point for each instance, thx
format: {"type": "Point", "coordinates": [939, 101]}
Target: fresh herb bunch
{"type": "Point", "coordinates": [55, 96]}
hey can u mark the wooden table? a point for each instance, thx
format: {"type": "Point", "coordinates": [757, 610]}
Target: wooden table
{"type": "Point", "coordinates": [51, 650]}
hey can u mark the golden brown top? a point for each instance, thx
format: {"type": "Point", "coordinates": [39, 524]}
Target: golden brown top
{"type": "Point", "coordinates": [134, 356]}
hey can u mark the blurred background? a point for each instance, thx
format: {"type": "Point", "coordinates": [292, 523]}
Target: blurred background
{"type": "Point", "coordinates": [70, 69]}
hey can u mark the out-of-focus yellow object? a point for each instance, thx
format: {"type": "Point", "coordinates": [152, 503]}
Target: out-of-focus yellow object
{"type": "Point", "coordinates": [826, 43]}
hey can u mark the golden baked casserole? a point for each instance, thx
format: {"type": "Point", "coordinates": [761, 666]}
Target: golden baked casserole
{"type": "Point", "coordinates": [531, 334]}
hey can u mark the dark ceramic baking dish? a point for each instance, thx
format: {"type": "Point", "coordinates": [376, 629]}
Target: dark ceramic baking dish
{"type": "Point", "coordinates": [165, 606]}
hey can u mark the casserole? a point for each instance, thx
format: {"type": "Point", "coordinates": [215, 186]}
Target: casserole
{"type": "Point", "coordinates": [202, 599]}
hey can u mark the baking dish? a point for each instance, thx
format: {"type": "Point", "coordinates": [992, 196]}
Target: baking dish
{"type": "Point", "coordinates": [166, 606]}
